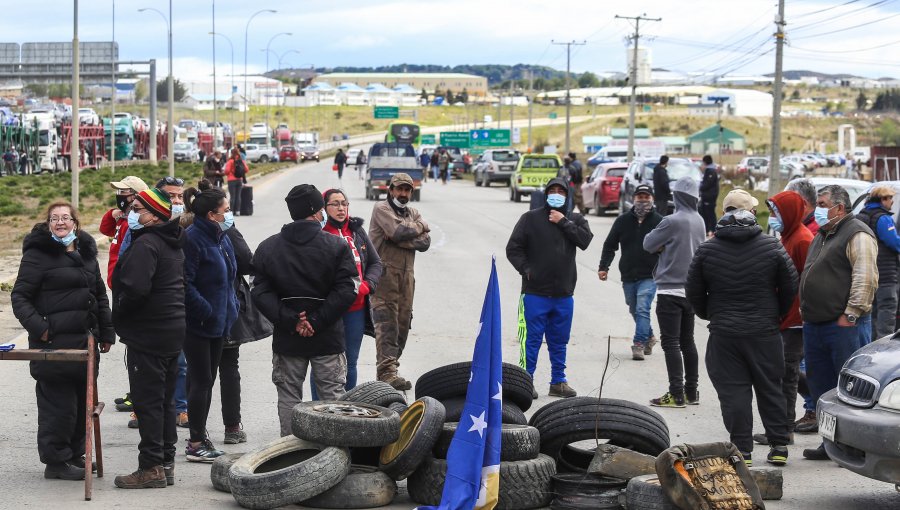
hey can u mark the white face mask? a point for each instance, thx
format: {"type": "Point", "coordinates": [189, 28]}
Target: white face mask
{"type": "Point", "coordinates": [398, 203]}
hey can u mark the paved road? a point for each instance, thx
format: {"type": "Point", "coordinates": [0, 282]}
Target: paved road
{"type": "Point", "coordinates": [469, 225]}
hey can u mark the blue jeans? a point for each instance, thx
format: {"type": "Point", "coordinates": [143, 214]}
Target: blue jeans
{"type": "Point", "coordinates": [434, 171]}
{"type": "Point", "coordinates": [354, 327]}
{"type": "Point", "coordinates": [181, 385]}
{"type": "Point", "coordinates": [551, 317]}
{"type": "Point", "coordinates": [639, 297]}
{"type": "Point", "coordinates": [826, 347]}
{"type": "Point", "coordinates": [864, 324]}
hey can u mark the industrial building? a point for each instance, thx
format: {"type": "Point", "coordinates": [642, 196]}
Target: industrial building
{"type": "Point", "coordinates": [475, 86]}
{"type": "Point", "coordinates": [733, 103]}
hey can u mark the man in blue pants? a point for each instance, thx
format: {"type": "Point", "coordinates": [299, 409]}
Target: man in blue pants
{"type": "Point", "coordinates": [542, 249]}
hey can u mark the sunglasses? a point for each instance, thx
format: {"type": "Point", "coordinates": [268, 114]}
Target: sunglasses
{"type": "Point", "coordinates": [171, 181]}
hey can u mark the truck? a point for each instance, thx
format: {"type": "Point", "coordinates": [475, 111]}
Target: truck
{"type": "Point", "coordinates": [49, 142]}
{"type": "Point", "coordinates": [282, 136]}
{"type": "Point", "coordinates": [124, 143]}
{"type": "Point", "coordinates": [387, 159]}
{"type": "Point", "coordinates": [260, 134]}
{"type": "Point", "coordinates": [258, 153]}
{"type": "Point", "coordinates": [306, 139]}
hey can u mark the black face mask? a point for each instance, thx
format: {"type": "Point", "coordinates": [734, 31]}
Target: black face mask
{"type": "Point", "coordinates": [122, 203]}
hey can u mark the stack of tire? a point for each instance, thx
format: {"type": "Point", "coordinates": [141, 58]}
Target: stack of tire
{"type": "Point", "coordinates": [525, 473]}
{"type": "Point", "coordinates": [347, 453]}
{"type": "Point", "coordinates": [569, 427]}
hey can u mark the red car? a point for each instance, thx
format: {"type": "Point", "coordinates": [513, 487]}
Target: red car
{"type": "Point", "coordinates": [288, 153]}
{"type": "Point", "coordinates": [601, 190]}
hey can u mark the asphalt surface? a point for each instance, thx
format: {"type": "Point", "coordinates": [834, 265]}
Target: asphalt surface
{"type": "Point", "coordinates": [469, 226]}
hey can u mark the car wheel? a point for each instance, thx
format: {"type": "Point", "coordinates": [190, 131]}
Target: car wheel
{"type": "Point", "coordinates": [517, 442]}
{"type": "Point", "coordinates": [364, 487]}
{"type": "Point", "coordinates": [517, 197]}
{"type": "Point", "coordinates": [218, 473]}
{"type": "Point", "coordinates": [377, 393]}
{"type": "Point", "coordinates": [622, 204]}
{"type": "Point", "coordinates": [452, 380]}
{"type": "Point", "coordinates": [417, 195]}
{"type": "Point", "coordinates": [420, 427]}
{"type": "Point", "coordinates": [598, 211]}
{"type": "Point", "coordinates": [511, 191]}
{"type": "Point", "coordinates": [478, 182]}
{"type": "Point", "coordinates": [487, 181]}
{"type": "Point", "coordinates": [263, 159]}
{"type": "Point", "coordinates": [339, 423]}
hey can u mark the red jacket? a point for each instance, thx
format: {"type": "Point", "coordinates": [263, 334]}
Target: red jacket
{"type": "Point", "coordinates": [115, 230]}
{"type": "Point", "coordinates": [796, 239]}
{"type": "Point", "coordinates": [345, 233]}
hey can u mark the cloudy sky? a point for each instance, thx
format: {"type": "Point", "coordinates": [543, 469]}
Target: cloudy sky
{"type": "Point", "coordinates": [711, 36]}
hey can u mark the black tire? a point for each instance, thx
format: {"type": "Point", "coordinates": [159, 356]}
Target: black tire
{"type": "Point", "coordinates": [364, 487]}
{"type": "Point", "coordinates": [420, 427]}
{"type": "Point", "coordinates": [398, 407]}
{"type": "Point", "coordinates": [510, 413]}
{"type": "Point", "coordinates": [518, 442]}
{"type": "Point", "coordinates": [417, 195]}
{"type": "Point", "coordinates": [339, 423]}
{"type": "Point", "coordinates": [286, 471]}
{"type": "Point", "coordinates": [376, 393]}
{"type": "Point", "coordinates": [646, 493]}
{"type": "Point", "coordinates": [453, 380]}
{"type": "Point", "coordinates": [621, 422]}
{"type": "Point", "coordinates": [582, 491]}
{"type": "Point", "coordinates": [517, 197]}
{"type": "Point", "coordinates": [598, 211]}
{"type": "Point", "coordinates": [263, 159]}
{"type": "Point", "coordinates": [622, 203]}
{"type": "Point", "coordinates": [478, 182]}
{"type": "Point", "coordinates": [511, 192]}
{"type": "Point", "coordinates": [487, 181]}
{"type": "Point", "coordinates": [524, 484]}
{"type": "Point", "coordinates": [218, 472]}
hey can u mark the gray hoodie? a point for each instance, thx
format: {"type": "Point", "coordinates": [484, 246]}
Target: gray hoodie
{"type": "Point", "coordinates": [677, 237]}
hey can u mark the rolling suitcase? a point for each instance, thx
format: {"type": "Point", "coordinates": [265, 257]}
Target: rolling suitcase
{"type": "Point", "coordinates": [247, 200]}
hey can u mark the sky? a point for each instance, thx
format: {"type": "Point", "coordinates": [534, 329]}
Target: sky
{"type": "Point", "coordinates": [695, 36]}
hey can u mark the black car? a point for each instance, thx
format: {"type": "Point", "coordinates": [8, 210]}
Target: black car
{"type": "Point", "coordinates": [640, 171]}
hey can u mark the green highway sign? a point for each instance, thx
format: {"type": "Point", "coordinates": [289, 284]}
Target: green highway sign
{"type": "Point", "coordinates": [485, 138]}
{"type": "Point", "coordinates": [387, 112]}
{"type": "Point", "coordinates": [429, 139]}
{"type": "Point", "coordinates": [552, 115]}
{"type": "Point", "coordinates": [455, 139]}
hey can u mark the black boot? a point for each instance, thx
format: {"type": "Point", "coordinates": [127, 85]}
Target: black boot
{"type": "Point", "coordinates": [63, 471]}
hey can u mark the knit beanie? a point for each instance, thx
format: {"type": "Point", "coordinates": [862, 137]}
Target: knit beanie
{"type": "Point", "coordinates": [157, 202]}
{"type": "Point", "coordinates": [303, 201]}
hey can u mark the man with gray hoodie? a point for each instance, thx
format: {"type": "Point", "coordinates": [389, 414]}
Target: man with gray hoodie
{"type": "Point", "coordinates": [676, 238]}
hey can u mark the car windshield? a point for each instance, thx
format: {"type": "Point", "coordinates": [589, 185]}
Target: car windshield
{"type": "Point", "coordinates": [616, 172]}
{"type": "Point", "coordinates": [182, 146]}
{"type": "Point", "coordinates": [680, 168]}
{"type": "Point", "coordinates": [308, 149]}
{"type": "Point", "coordinates": [540, 163]}
{"type": "Point", "coordinates": [506, 156]}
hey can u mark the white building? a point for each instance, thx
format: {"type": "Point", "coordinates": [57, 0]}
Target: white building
{"type": "Point", "coordinates": [204, 102]}
{"type": "Point", "coordinates": [261, 89]}
{"type": "Point", "coordinates": [733, 102]}
{"type": "Point", "coordinates": [351, 94]}
{"type": "Point", "coordinates": [321, 94]}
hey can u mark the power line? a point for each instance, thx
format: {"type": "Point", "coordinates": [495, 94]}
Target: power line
{"type": "Point", "coordinates": [568, 46]}
{"type": "Point", "coordinates": [634, 77]}
{"type": "Point", "coordinates": [848, 28]}
{"type": "Point", "coordinates": [825, 9]}
{"type": "Point", "coordinates": [847, 51]}
{"type": "Point", "coordinates": [841, 16]}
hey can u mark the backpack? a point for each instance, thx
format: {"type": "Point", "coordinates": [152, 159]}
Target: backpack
{"type": "Point", "coordinates": [240, 169]}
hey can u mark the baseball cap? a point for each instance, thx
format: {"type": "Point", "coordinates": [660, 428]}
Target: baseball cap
{"type": "Point", "coordinates": [739, 199]}
{"type": "Point", "coordinates": [401, 179]}
{"type": "Point", "coordinates": [643, 188]}
{"type": "Point", "coordinates": [130, 183]}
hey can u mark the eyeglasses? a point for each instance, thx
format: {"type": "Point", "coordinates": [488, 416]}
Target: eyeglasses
{"type": "Point", "coordinates": [171, 181]}
{"type": "Point", "coordinates": [64, 219]}
{"type": "Point", "coordinates": [338, 204]}
{"type": "Point", "coordinates": [139, 210]}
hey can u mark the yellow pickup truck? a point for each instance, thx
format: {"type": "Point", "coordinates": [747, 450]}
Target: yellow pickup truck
{"type": "Point", "coordinates": [533, 172]}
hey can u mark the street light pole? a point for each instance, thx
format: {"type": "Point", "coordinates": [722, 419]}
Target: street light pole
{"type": "Point", "coordinates": [170, 118]}
{"type": "Point", "coordinates": [268, 96]}
{"type": "Point", "coordinates": [246, 93]}
{"type": "Point", "coordinates": [112, 120]}
{"type": "Point", "coordinates": [215, 101]}
{"type": "Point", "coordinates": [74, 148]}
{"type": "Point", "coordinates": [231, 95]}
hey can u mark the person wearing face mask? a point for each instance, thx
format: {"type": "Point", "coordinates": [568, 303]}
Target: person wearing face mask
{"type": "Point", "coordinates": [878, 217]}
{"type": "Point", "coordinates": [211, 307]}
{"type": "Point", "coordinates": [149, 316]}
{"type": "Point", "coordinates": [786, 213]}
{"type": "Point", "coordinates": [635, 266]}
{"type": "Point", "coordinates": [172, 186]}
{"type": "Point", "coordinates": [398, 232]}
{"type": "Point", "coordinates": [114, 223]}
{"type": "Point", "coordinates": [542, 249]}
{"type": "Point", "coordinates": [304, 281]}
{"type": "Point", "coordinates": [836, 292]}
{"type": "Point", "coordinates": [60, 299]}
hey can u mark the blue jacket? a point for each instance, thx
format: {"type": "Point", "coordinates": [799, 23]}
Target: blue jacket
{"type": "Point", "coordinates": [209, 270]}
{"type": "Point", "coordinates": [884, 229]}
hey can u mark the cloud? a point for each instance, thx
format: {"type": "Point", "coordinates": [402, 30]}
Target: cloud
{"type": "Point", "coordinates": [360, 41]}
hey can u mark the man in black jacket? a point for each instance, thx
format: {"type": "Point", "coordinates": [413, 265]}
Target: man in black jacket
{"type": "Point", "coordinates": [148, 314]}
{"type": "Point", "coordinates": [542, 249]}
{"type": "Point", "coordinates": [636, 265]}
{"type": "Point", "coordinates": [743, 283]}
{"type": "Point", "coordinates": [709, 194]}
{"type": "Point", "coordinates": [662, 190]}
{"type": "Point", "coordinates": [305, 279]}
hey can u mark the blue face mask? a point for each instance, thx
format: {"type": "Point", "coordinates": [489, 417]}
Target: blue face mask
{"type": "Point", "coordinates": [65, 241]}
{"type": "Point", "coordinates": [776, 224]}
{"type": "Point", "coordinates": [555, 200]}
{"type": "Point", "coordinates": [821, 215]}
{"type": "Point", "coordinates": [134, 221]}
{"type": "Point", "coordinates": [177, 210]}
{"type": "Point", "coordinates": [324, 219]}
{"type": "Point", "coordinates": [228, 223]}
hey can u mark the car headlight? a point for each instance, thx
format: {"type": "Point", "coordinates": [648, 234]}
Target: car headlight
{"type": "Point", "coordinates": [890, 396]}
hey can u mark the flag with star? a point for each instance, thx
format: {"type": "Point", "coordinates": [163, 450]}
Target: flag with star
{"type": "Point", "coordinates": [473, 461]}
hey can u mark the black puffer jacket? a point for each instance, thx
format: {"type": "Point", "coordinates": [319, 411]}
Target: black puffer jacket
{"type": "Point", "coordinates": [148, 291]}
{"type": "Point", "coordinates": [62, 293]}
{"type": "Point", "coordinates": [742, 281]}
{"type": "Point", "coordinates": [302, 268]}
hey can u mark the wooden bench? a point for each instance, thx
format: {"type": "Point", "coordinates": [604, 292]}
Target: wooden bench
{"type": "Point", "coordinates": [93, 408]}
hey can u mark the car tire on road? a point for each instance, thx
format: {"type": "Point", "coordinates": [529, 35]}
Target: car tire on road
{"type": "Point", "coordinates": [478, 182]}
{"type": "Point", "coordinates": [510, 413]}
{"type": "Point", "coordinates": [420, 427]}
{"type": "Point", "coordinates": [218, 472]}
{"type": "Point", "coordinates": [263, 159]}
{"type": "Point", "coordinates": [417, 195]}
{"type": "Point", "coordinates": [518, 442]}
{"type": "Point", "coordinates": [581, 491]}
{"type": "Point", "coordinates": [377, 393]}
{"type": "Point", "coordinates": [453, 380]}
{"type": "Point", "coordinates": [339, 423]}
{"type": "Point", "coordinates": [524, 484]}
{"type": "Point", "coordinates": [645, 492]}
{"type": "Point", "coordinates": [598, 211]}
{"type": "Point", "coordinates": [286, 471]}
{"type": "Point", "coordinates": [364, 487]}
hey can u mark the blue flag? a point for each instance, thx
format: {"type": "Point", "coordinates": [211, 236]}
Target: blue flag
{"type": "Point", "coordinates": [473, 461]}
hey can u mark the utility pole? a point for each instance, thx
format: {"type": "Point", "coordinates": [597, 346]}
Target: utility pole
{"type": "Point", "coordinates": [215, 97]}
{"type": "Point", "coordinates": [112, 95]}
{"type": "Point", "coordinates": [153, 126]}
{"type": "Point", "coordinates": [74, 147]}
{"type": "Point", "coordinates": [634, 77]}
{"type": "Point", "coordinates": [568, 46]}
{"type": "Point", "coordinates": [775, 156]}
{"type": "Point", "coordinates": [530, 104]}
{"type": "Point", "coordinates": [511, 108]}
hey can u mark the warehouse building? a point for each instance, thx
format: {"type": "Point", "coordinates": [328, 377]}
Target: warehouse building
{"type": "Point", "coordinates": [432, 83]}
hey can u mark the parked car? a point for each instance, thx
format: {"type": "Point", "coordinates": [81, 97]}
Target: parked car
{"type": "Point", "coordinates": [640, 171]}
{"type": "Point", "coordinates": [309, 153]}
{"type": "Point", "coordinates": [757, 166]}
{"type": "Point", "coordinates": [533, 172]}
{"type": "Point", "coordinates": [859, 420]}
{"type": "Point", "coordinates": [186, 152]}
{"type": "Point", "coordinates": [288, 153]}
{"type": "Point", "coordinates": [495, 165]}
{"type": "Point", "coordinates": [88, 116]}
{"type": "Point", "coordinates": [261, 153]}
{"type": "Point", "coordinates": [855, 188]}
{"type": "Point", "coordinates": [600, 190]}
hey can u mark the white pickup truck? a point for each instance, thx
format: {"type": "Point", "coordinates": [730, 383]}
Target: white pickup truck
{"type": "Point", "coordinates": [261, 153]}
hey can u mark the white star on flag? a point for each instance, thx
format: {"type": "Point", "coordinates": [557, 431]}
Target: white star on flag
{"type": "Point", "coordinates": [478, 424]}
{"type": "Point", "coordinates": [499, 395]}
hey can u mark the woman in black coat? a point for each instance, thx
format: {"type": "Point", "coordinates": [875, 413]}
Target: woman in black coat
{"type": "Point", "coordinates": [60, 299]}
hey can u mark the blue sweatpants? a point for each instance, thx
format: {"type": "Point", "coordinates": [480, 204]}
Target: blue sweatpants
{"type": "Point", "coordinates": [541, 317]}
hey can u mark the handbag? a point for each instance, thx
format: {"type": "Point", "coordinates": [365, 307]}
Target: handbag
{"type": "Point", "coordinates": [251, 324]}
{"type": "Point", "coordinates": [334, 167]}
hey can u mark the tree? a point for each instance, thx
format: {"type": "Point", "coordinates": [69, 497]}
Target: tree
{"type": "Point", "coordinates": [795, 95]}
{"type": "Point", "coordinates": [861, 101]}
{"type": "Point", "coordinates": [463, 96]}
{"type": "Point", "coordinates": [424, 95]}
{"type": "Point", "coordinates": [140, 91]}
{"type": "Point", "coordinates": [162, 91]}
{"type": "Point", "coordinates": [588, 80]}
{"type": "Point", "coordinates": [888, 133]}
{"type": "Point", "coordinates": [36, 89]}
{"type": "Point", "coordinates": [448, 97]}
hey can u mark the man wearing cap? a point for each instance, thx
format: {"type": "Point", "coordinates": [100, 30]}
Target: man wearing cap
{"type": "Point", "coordinates": [744, 283]}
{"type": "Point", "coordinates": [397, 231]}
{"type": "Point", "coordinates": [114, 223]}
{"type": "Point", "coordinates": [305, 279]}
{"type": "Point", "coordinates": [878, 217]}
{"type": "Point", "coordinates": [542, 249]}
{"type": "Point", "coordinates": [635, 266]}
{"type": "Point", "coordinates": [148, 314]}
